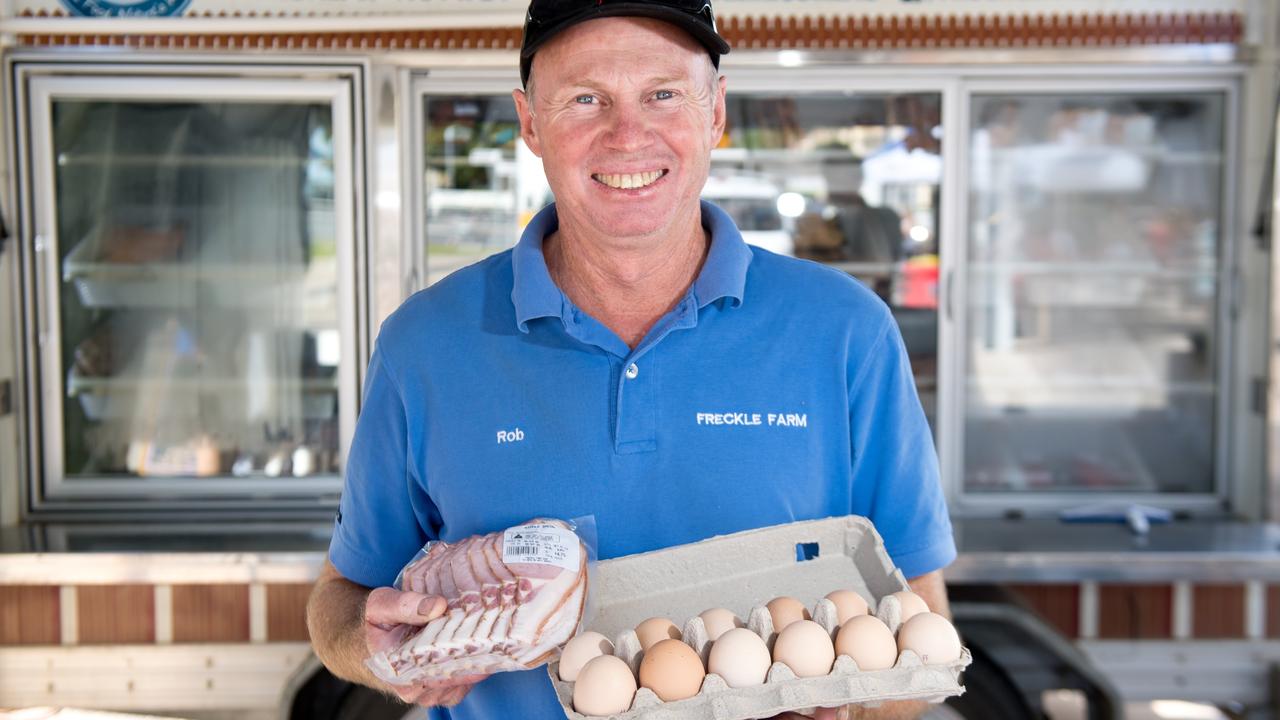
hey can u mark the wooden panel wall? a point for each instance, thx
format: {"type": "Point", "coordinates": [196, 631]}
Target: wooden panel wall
{"type": "Point", "coordinates": [210, 613]}
{"type": "Point", "coordinates": [1135, 612]}
{"type": "Point", "coordinates": [1058, 605]}
{"type": "Point", "coordinates": [1219, 612]}
{"type": "Point", "coordinates": [30, 615]}
{"type": "Point", "coordinates": [287, 612]}
{"type": "Point", "coordinates": [115, 614]}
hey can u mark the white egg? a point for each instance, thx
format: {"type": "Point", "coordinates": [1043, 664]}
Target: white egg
{"type": "Point", "coordinates": [579, 651]}
{"type": "Point", "coordinates": [719, 621]}
{"type": "Point", "coordinates": [932, 637]}
{"type": "Point", "coordinates": [740, 657]}
{"type": "Point", "coordinates": [911, 604]}
{"type": "Point", "coordinates": [868, 641]}
{"type": "Point", "coordinates": [605, 686]}
{"type": "Point", "coordinates": [805, 647]}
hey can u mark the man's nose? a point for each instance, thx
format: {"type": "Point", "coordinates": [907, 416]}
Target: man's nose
{"type": "Point", "coordinates": [629, 129]}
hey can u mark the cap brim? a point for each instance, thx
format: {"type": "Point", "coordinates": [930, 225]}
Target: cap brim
{"type": "Point", "coordinates": [703, 34]}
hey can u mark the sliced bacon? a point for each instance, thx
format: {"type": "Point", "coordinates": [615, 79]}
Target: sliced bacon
{"type": "Point", "coordinates": [500, 616]}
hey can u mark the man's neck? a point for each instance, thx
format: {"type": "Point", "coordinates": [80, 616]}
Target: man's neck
{"type": "Point", "coordinates": [628, 288]}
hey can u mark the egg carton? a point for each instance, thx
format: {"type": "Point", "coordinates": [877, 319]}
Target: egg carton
{"type": "Point", "coordinates": [741, 572]}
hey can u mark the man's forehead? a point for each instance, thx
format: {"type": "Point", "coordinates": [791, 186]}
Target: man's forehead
{"type": "Point", "coordinates": [605, 58]}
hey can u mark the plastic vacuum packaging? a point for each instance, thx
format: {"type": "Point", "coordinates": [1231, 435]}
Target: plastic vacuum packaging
{"type": "Point", "coordinates": [514, 598]}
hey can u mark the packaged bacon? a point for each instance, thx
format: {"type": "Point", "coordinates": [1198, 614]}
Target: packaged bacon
{"type": "Point", "coordinates": [514, 598]}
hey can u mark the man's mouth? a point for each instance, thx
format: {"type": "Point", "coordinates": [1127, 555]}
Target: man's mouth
{"type": "Point", "coordinates": [633, 181]}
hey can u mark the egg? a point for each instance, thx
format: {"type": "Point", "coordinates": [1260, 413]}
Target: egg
{"type": "Point", "coordinates": [581, 649]}
{"type": "Point", "coordinates": [786, 610]}
{"type": "Point", "coordinates": [848, 603]}
{"type": "Point", "coordinates": [605, 686]}
{"type": "Point", "coordinates": [805, 647]}
{"type": "Point", "coordinates": [672, 670]}
{"type": "Point", "coordinates": [911, 604]}
{"type": "Point", "coordinates": [868, 641]}
{"type": "Point", "coordinates": [933, 638]}
{"type": "Point", "coordinates": [740, 657]}
{"type": "Point", "coordinates": [654, 630]}
{"type": "Point", "coordinates": [719, 621]}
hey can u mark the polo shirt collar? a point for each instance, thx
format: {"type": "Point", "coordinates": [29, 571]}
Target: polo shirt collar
{"type": "Point", "coordinates": [535, 295]}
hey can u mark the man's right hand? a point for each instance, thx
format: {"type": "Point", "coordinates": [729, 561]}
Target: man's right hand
{"type": "Point", "coordinates": [389, 616]}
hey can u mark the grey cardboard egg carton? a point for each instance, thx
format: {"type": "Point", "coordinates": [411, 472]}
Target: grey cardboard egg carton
{"type": "Point", "coordinates": [742, 572]}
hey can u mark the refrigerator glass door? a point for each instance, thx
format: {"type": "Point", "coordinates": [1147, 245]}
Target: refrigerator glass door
{"type": "Point", "coordinates": [198, 237]}
{"type": "Point", "coordinates": [1093, 340]}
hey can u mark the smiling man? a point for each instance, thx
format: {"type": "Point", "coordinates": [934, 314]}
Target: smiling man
{"type": "Point", "coordinates": [631, 359]}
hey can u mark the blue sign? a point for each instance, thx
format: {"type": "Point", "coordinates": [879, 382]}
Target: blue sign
{"type": "Point", "coordinates": [126, 8]}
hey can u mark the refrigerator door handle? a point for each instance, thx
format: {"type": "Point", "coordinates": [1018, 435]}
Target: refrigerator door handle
{"type": "Point", "coordinates": [41, 246]}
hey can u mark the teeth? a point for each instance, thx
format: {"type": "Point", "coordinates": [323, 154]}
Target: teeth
{"type": "Point", "coordinates": [629, 182]}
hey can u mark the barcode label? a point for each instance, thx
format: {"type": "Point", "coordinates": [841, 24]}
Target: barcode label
{"type": "Point", "coordinates": [542, 544]}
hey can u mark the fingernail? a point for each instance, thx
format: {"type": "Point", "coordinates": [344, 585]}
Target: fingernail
{"type": "Point", "coordinates": [426, 606]}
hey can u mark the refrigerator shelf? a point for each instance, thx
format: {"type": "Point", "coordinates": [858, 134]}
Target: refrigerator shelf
{"type": "Point", "coordinates": [111, 398]}
{"type": "Point", "coordinates": [178, 284]}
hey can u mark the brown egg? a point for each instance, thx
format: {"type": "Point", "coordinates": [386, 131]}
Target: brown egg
{"type": "Point", "coordinates": [605, 686]}
{"type": "Point", "coordinates": [848, 603]}
{"type": "Point", "coordinates": [868, 641]}
{"type": "Point", "coordinates": [805, 647]}
{"type": "Point", "coordinates": [719, 621]}
{"type": "Point", "coordinates": [672, 670]}
{"type": "Point", "coordinates": [912, 604]}
{"type": "Point", "coordinates": [932, 637]}
{"type": "Point", "coordinates": [786, 610]}
{"type": "Point", "coordinates": [654, 630]}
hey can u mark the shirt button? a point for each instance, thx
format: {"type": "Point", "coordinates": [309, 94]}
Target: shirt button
{"type": "Point", "coordinates": [633, 371]}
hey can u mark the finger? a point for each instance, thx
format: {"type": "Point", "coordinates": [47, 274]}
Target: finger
{"type": "Point", "coordinates": [454, 695]}
{"type": "Point", "coordinates": [827, 714]}
{"type": "Point", "coordinates": [450, 682]}
{"type": "Point", "coordinates": [388, 606]}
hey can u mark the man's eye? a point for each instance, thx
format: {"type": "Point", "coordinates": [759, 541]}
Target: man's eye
{"type": "Point", "coordinates": [664, 94]}
{"type": "Point", "coordinates": [585, 99]}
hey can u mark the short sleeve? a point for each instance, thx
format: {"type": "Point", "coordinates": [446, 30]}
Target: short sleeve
{"type": "Point", "coordinates": [379, 526]}
{"type": "Point", "coordinates": [895, 467]}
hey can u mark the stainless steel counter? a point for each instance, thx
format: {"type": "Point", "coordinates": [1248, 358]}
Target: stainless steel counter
{"type": "Point", "coordinates": [1034, 550]}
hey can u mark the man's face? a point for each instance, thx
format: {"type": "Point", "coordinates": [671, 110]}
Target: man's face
{"type": "Point", "coordinates": [624, 113]}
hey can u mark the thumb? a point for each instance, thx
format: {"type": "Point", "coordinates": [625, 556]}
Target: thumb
{"type": "Point", "coordinates": [388, 606]}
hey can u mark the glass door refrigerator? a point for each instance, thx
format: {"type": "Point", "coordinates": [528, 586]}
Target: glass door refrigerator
{"type": "Point", "coordinates": [189, 240]}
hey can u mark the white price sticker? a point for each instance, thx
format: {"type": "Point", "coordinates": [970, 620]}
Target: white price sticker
{"type": "Point", "coordinates": [542, 544]}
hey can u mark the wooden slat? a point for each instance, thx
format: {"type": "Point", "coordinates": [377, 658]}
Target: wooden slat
{"type": "Point", "coordinates": [1219, 611]}
{"type": "Point", "coordinates": [287, 612]}
{"type": "Point", "coordinates": [1058, 605]}
{"type": "Point", "coordinates": [1135, 611]}
{"type": "Point", "coordinates": [210, 613]}
{"type": "Point", "coordinates": [29, 615]}
{"type": "Point", "coordinates": [112, 614]}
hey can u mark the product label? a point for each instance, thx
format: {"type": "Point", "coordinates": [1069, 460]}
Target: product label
{"type": "Point", "coordinates": [543, 544]}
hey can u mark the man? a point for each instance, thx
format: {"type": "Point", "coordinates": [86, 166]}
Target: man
{"type": "Point", "coordinates": [631, 359]}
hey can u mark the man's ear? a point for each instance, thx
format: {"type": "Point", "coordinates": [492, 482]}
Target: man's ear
{"type": "Point", "coordinates": [718, 112]}
{"type": "Point", "coordinates": [526, 120]}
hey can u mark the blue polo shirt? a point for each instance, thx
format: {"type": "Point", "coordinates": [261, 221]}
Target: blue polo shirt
{"type": "Point", "coordinates": [776, 390]}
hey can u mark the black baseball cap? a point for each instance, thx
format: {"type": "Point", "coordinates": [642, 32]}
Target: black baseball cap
{"type": "Point", "coordinates": [545, 18]}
